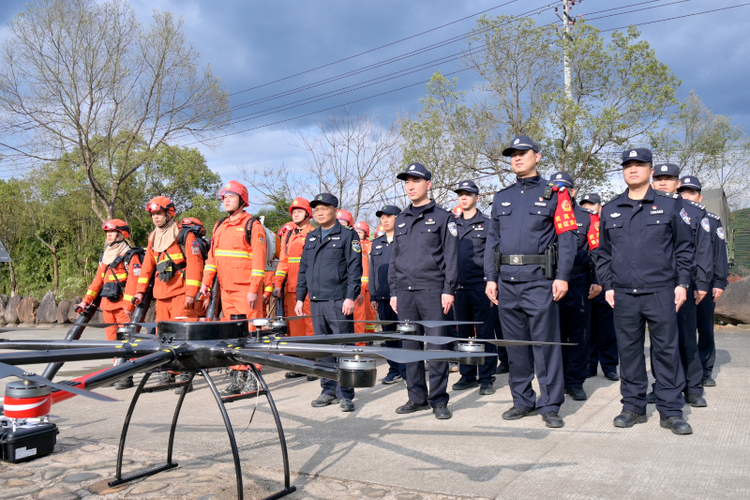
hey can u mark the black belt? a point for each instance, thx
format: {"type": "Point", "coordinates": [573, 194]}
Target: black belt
{"type": "Point", "coordinates": [579, 270]}
{"type": "Point", "coordinates": [522, 260]}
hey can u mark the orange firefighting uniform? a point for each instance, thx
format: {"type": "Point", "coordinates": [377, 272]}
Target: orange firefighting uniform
{"type": "Point", "coordinates": [114, 312]}
{"type": "Point", "coordinates": [170, 295]}
{"type": "Point", "coordinates": [241, 267]}
{"type": "Point", "coordinates": [288, 269]}
{"type": "Point", "coordinates": [365, 311]}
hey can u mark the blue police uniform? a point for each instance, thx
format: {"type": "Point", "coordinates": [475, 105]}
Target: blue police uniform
{"type": "Point", "coordinates": [471, 303]}
{"type": "Point", "coordinates": [380, 256]}
{"type": "Point", "coordinates": [522, 228]}
{"type": "Point", "coordinates": [330, 272]}
{"type": "Point", "coordinates": [423, 266]}
{"type": "Point", "coordinates": [603, 342]}
{"type": "Point", "coordinates": [645, 250]}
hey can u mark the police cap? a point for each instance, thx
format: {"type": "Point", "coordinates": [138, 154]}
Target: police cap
{"type": "Point", "coordinates": [690, 182]}
{"type": "Point", "coordinates": [417, 170]}
{"type": "Point", "coordinates": [467, 186]}
{"type": "Point", "coordinates": [591, 198]}
{"type": "Point", "coordinates": [637, 154]}
{"type": "Point", "coordinates": [521, 143]}
{"type": "Point", "coordinates": [563, 178]}
{"type": "Point", "coordinates": [325, 199]}
{"type": "Point", "coordinates": [388, 210]}
{"type": "Point", "coordinates": [666, 169]}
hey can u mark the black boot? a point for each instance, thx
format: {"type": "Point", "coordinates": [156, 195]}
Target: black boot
{"type": "Point", "coordinates": [235, 387]}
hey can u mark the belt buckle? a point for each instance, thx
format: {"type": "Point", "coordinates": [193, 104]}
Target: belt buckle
{"type": "Point", "coordinates": [516, 260]}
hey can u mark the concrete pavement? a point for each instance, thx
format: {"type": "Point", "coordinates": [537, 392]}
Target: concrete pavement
{"type": "Point", "coordinates": [375, 453]}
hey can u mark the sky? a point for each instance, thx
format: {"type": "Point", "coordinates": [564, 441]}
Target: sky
{"type": "Point", "coordinates": [250, 43]}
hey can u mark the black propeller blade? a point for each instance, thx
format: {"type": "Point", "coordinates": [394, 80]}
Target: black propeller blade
{"type": "Point", "coordinates": [7, 371]}
{"type": "Point", "coordinates": [425, 323]}
{"type": "Point", "coordinates": [396, 355]}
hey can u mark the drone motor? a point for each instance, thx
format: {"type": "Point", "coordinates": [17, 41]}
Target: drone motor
{"type": "Point", "coordinates": [357, 372]}
{"type": "Point", "coordinates": [472, 347]}
{"type": "Point", "coordinates": [25, 430]}
{"type": "Point", "coordinates": [407, 328]}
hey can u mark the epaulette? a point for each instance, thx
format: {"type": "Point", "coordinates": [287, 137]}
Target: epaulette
{"type": "Point", "coordinates": [666, 195]}
{"type": "Point", "coordinates": [441, 207]}
{"type": "Point", "coordinates": [588, 210]}
{"type": "Point", "coordinates": [615, 197]}
{"type": "Point", "coordinates": [506, 187]}
{"type": "Point", "coordinates": [347, 227]}
{"type": "Point", "coordinates": [713, 216]}
{"type": "Point", "coordinates": [702, 207]}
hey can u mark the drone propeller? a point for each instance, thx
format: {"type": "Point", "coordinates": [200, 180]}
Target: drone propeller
{"type": "Point", "coordinates": [343, 338]}
{"type": "Point", "coordinates": [425, 323]}
{"type": "Point", "coordinates": [4, 330]}
{"type": "Point", "coordinates": [105, 325]}
{"type": "Point", "coordinates": [8, 370]}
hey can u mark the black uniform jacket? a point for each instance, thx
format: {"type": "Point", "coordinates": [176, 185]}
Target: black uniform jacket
{"type": "Point", "coordinates": [644, 245]}
{"type": "Point", "coordinates": [523, 223]}
{"type": "Point", "coordinates": [380, 257]}
{"type": "Point", "coordinates": [425, 250]}
{"type": "Point", "coordinates": [330, 268]}
{"type": "Point", "coordinates": [472, 237]}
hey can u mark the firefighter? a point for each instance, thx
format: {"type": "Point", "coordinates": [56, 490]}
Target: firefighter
{"type": "Point", "coordinates": [115, 279]}
{"type": "Point", "coordinates": [238, 258]}
{"type": "Point", "coordinates": [363, 310]}
{"type": "Point", "coordinates": [178, 270]}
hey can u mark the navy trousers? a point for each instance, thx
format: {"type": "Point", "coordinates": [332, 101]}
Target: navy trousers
{"type": "Point", "coordinates": [687, 322]}
{"type": "Point", "coordinates": [706, 345]}
{"type": "Point", "coordinates": [575, 320]}
{"type": "Point", "coordinates": [386, 313]}
{"type": "Point", "coordinates": [631, 313]}
{"type": "Point", "coordinates": [502, 352]}
{"type": "Point", "coordinates": [424, 305]}
{"type": "Point", "coordinates": [603, 342]}
{"type": "Point", "coordinates": [527, 312]}
{"type": "Point", "coordinates": [326, 324]}
{"type": "Point", "coordinates": [472, 304]}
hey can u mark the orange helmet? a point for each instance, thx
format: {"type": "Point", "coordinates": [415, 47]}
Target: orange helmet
{"type": "Point", "coordinates": [379, 231]}
{"type": "Point", "coordinates": [363, 226]}
{"type": "Point", "coordinates": [160, 203]}
{"type": "Point", "coordinates": [289, 226]}
{"type": "Point", "coordinates": [117, 225]}
{"type": "Point", "coordinates": [458, 211]}
{"type": "Point", "coordinates": [234, 187]}
{"type": "Point", "coordinates": [300, 202]}
{"type": "Point", "coordinates": [345, 215]}
{"type": "Point", "coordinates": [192, 222]}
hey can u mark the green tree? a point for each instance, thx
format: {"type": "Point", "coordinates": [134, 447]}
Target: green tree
{"type": "Point", "coordinates": [86, 81]}
{"type": "Point", "coordinates": [13, 226]}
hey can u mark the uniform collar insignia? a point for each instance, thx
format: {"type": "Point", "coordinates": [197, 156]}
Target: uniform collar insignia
{"type": "Point", "coordinates": [615, 215]}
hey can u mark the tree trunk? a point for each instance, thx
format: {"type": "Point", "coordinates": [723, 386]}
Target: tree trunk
{"type": "Point", "coordinates": [56, 270]}
{"type": "Point", "coordinates": [13, 284]}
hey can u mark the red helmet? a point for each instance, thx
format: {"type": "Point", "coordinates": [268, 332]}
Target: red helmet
{"type": "Point", "coordinates": [192, 222]}
{"type": "Point", "coordinates": [160, 203]}
{"type": "Point", "coordinates": [289, 226]}
{"type": "Point", "coordinates": [458, 211]}
{"type": "Point", "coordinates": [234, 187]}
{"type": "Point", "coordinates": [117, 225]}
{"type": "Point", "coordinates": [300, 202]}
{"type": "Point", "coordinates": [379, 231]}
{"type": "Point", "coordinates": [345, 215]}
{"type": "Point", "coordinates": [363, 226]}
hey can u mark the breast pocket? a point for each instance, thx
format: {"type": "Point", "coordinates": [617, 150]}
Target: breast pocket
{"type": "Point", "coordinates": [503, 218]}
{"type": "Point", "coordinates": [615, 232]}
{"type": "Point", "coordinates": [540, 217]}
{"type": "Point", "coordinates": [657, 227]}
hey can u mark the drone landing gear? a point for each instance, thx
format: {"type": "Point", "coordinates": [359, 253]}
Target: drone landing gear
{"type": "Point", "coordinates": [262, 390]}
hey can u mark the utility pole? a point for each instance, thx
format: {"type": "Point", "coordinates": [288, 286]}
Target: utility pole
{"type": "Point", "coordinates": [567, 21]}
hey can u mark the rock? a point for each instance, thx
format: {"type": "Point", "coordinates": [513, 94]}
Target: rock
{"type": "Point", "coordinates": [17, 483]}
{"type": "Point", "coordinates": [151, 313]}
{"type": "Point", "coordinates": [72, 314]}
{"type": "Point", "coordinates": [103, 487]}
{"type": "Point", "coordinates": [53, 472]}
{"type": "Point", "coordinates": [63, 309]}
{"type": "Point", "coordinates": [734, 305]}
{"type": "Point", "coordinates": [11, 310]}
{"type": "Point", "coordinates": [148, 487]}
{"type": "Point", "coordinates": [3, 303]}
{"type": "Point", "coordinates": [373, 492]}
{"type": "Point", "coordinates": [81, 477]}
{"type": "Point", "coordinates": [47, 312]}
{"type": "Point", "coordinates": [17, 473]}
{"type": "Point", "coordinates": [18, 493]}
{"type": "Point", "coordinates": [56, 493]}
{"type": "Point", "coordinates": [27, 310]}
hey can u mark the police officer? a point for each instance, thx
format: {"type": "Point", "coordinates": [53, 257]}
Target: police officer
{"type": "Point", "coordinates": [380, 293]}
{"type": "Point", "coordinates": [644, 263]}
{"type": "Point", "coordinates": [666, 179]}
{"type": "Point", "coordinates": [690, 189]}
{"type": "Point", "coordinates": [330, 271]}
{"type": "Point", "coordinates": [575, 307]}
{"type": "Point", "coordinates": [472, 304]}
{"type": "Point", "coordinates": [422, 276]}
{"type": "Point", "coordinates": [528, 218]}
{"type": "Point", "coordinates": [602, 341]}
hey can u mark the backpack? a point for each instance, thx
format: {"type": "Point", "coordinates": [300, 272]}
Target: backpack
{"type": "Point", "coordinates": [272, 248]}
{"type": "Point", "coordinates": [203, 243]}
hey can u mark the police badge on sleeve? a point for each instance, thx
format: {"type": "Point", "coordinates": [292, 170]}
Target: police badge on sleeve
{"type": "Point", "coordinates": [705, 225]}
{"type": "Point", "coordinates": [356, 246]}
{"type": "Point", "coordinates": [720, 232]}
{"type": "Point", "coordinates": [685, 216]}
{"type": "Point", "coordinates": [453, 229]}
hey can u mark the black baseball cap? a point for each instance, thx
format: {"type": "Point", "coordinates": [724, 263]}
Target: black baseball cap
{"type": "Point", "coordinates": [417, 170]}
{"type": "Point", "coordinates": [388, 210]}
{"type": "Point", "coordinates": [325, 199]}
{"type": "Point", "coordinates": [563, 178]}
{"type": "Point", "coordinates": [591, 198]}
{"type": "Point", "coordinates": [521, 143]}
{"type": "Point", "coordinates": [666, 169]}
{"type": "Point", "coordinates": [690, 182]}
{"type": "Point", "coordinates": [637, 154]}
{"type": "Point", "coordinates": [467, 186]}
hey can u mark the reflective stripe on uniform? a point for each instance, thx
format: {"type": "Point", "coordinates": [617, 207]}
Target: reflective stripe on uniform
{"type": "Point", "coordinates": [294, 260]}
{"type": "Point", "coordinates": [173, 256]}
{"type": "Point", "coordinates": [209, 267]}
{"type": "Point", "coordinates": [259, 272]}
{"type": "Point", "coordinates": [268, 289]}
{"type": "Point", "coordinates": [91, 293]}
{"type": "Point", "coordinates": [365, 280]}
{"type": "Point", "coordinates": [127, 297]}
{"type": "Point", "coordinates": [120, 276]}
{"type": "Point", "coordinates": [192, 283]}
{"type": "Point", "coordinates": [142, 280]}
{"type": "Point", "coordinates": [280, 273]}
{"type": "Point", "coordinates": [233, 253]}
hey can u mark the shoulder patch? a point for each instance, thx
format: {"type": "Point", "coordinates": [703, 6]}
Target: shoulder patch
{"type": "Point", "coordinates": [441, 207]}
{"type": "Point", "coordinates": [666, 195]}
{"type": "Point", "coordinates": [713, 216]}
{"type": "Point", "coordinates": [720, 232]}
{"type": "Point", "coordinates": [356, 246]}
{"type": "Point", "coordinates": [702, 207]}
{"type": "Point", "coordinates": [685, 216]}
{"type": "Point", "coordinates": [506, 187]}
{"type": "Point", "coordinates": [453, 229]}
{"type": "Point", "coordinates": [706, 225]}
{"type": "Point", "coordinates": [614, 198]}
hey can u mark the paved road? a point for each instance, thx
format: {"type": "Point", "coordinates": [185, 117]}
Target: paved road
{"type": "Point", "coordinates": [374, 453]}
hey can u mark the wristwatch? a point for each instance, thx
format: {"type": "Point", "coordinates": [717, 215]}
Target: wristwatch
{"type": "Point", "coordinates": [684, 286]}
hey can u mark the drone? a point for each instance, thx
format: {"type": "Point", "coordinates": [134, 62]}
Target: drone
{"type": "Point", "coordinates": [194, 348]}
